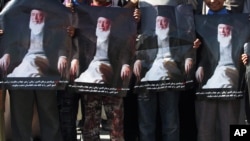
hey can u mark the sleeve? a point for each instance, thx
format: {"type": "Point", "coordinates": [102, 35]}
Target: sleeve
{"type": "Point", "coordinates": [246, 8]}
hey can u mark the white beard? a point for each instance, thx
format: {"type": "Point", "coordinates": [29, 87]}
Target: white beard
{"type": "Point", "coordinates": [36, 28]}
{"type": "Point", "coordinates": [162, 33]}
{"type": "Point", "coordinates": [102, 35]}
{"type": "Point", "coordinates": [224, 41]}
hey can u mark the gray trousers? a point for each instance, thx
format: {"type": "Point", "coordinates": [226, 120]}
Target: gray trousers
{"type": "Point", "coordinates": [22, 102]}
{"type": "Point", "coordinates": [214, 118]}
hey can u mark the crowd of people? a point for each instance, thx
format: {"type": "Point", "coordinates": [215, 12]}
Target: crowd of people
{"type": "Point", "coordinates": [167, 115]}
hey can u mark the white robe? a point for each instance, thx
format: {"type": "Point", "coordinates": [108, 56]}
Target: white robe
{"type": "Point", "coordinates": [226, 74]}
{"type": "Point", "coordinates": [34, 62]}
{"type": "Point", "coordinates": [164, 67]}
{"type": "Point", "coordinates": [99, 69]}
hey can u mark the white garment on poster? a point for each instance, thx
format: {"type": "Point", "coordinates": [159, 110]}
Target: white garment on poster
{"type": "Point", "coordinates": [34, 62]}
{"type": "Point", "coordinates": [99, 69]}
{"type": "Point", "coordinates": [226, 74]}
{"type": "Point", "coordinates": [164, 67]}
{"type": "Point", "coordinates": [224, 77]}
{"type": "Point", "coordinates": [96, 72]}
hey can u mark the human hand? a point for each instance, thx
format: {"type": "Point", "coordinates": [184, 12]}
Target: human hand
{"type": "Point", "coordinates": [188, 65]}
{"type": "Point", "coordinates": [197, 43]}
{"type": "Point", "coordinates": [244, 58]}
{"type": "Point", "coordinates": [70, 31]}
{"type": "Point", "coordinates": [125, 72]}
{"type": "Point", "coordinates": [69, 4]}
{"type": "Point", "coordinates": [5, 62]}
{"type": "Point", "coordinates": [62, 64]}
{"type": "Point", "coordinates": [74, 67]}
{"type": "Point", "coordinates": [137, 69]}
{"type": "Point", "coordinates": [1, 32]}
{"type": "Point", "coordinates": [199, 74]}
{"type": "Point", "coordinates": [137, 15]}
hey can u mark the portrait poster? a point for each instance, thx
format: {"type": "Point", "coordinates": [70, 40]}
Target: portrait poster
{"type": "Point", "coordinates": [106, 40]}
{"type": "Point", "coordinates": [220, 73]}
{"type": "Point", "coordinates": [165, 48]}
{"type": "Point", "coordinates": [34, 44]}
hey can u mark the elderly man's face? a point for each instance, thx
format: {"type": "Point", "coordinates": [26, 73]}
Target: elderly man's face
{"type": "Point", "coordinates": [103, 24]}
{"type": "Point", "coordinates": [161, 22]}
{"type": "Point", "coordinates": [37, 16]}
{"type": "Point", "coordinates": [215, 5]}
{"type": "Point", "coordinates": [224, 30]}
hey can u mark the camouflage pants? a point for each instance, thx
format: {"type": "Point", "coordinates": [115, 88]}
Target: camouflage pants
{"type": "Point", "coordinates": [113, 107]}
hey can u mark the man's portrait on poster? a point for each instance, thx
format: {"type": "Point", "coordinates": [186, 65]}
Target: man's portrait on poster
{"type": "Point", "coordinates": [33, 55]}
{"type": "Point", "coordinates": [220, 70]}
{"type": "Point", "coordinates": [163, 59]}
{"type": "Point", "coordinates": [108, 57]}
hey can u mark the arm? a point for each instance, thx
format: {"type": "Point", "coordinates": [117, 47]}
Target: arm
{"type": "Point", "coordinates": [199, 52]}
{"type": "Point", "coordinates": [64, 49]}
{"type": "Point", "coordinates": [74, 65]}
{"type": "Point", "coordinates": [62, 63]}
{"type": "Point", "coordinates": [125, 56]}
{"type": "Point", "coordinates": [202, 60]}
{"type": "Point", "coordinates": [145, 55]}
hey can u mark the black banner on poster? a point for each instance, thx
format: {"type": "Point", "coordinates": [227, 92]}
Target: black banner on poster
{"type": "Point", "coordinates": [106, 43]}
{"type": "Point", "coordinates": [220, 72]}
{"type": "Point", "coordinates": [165, 56]}
{"type": "Point", "coordinates": [35, 45]}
